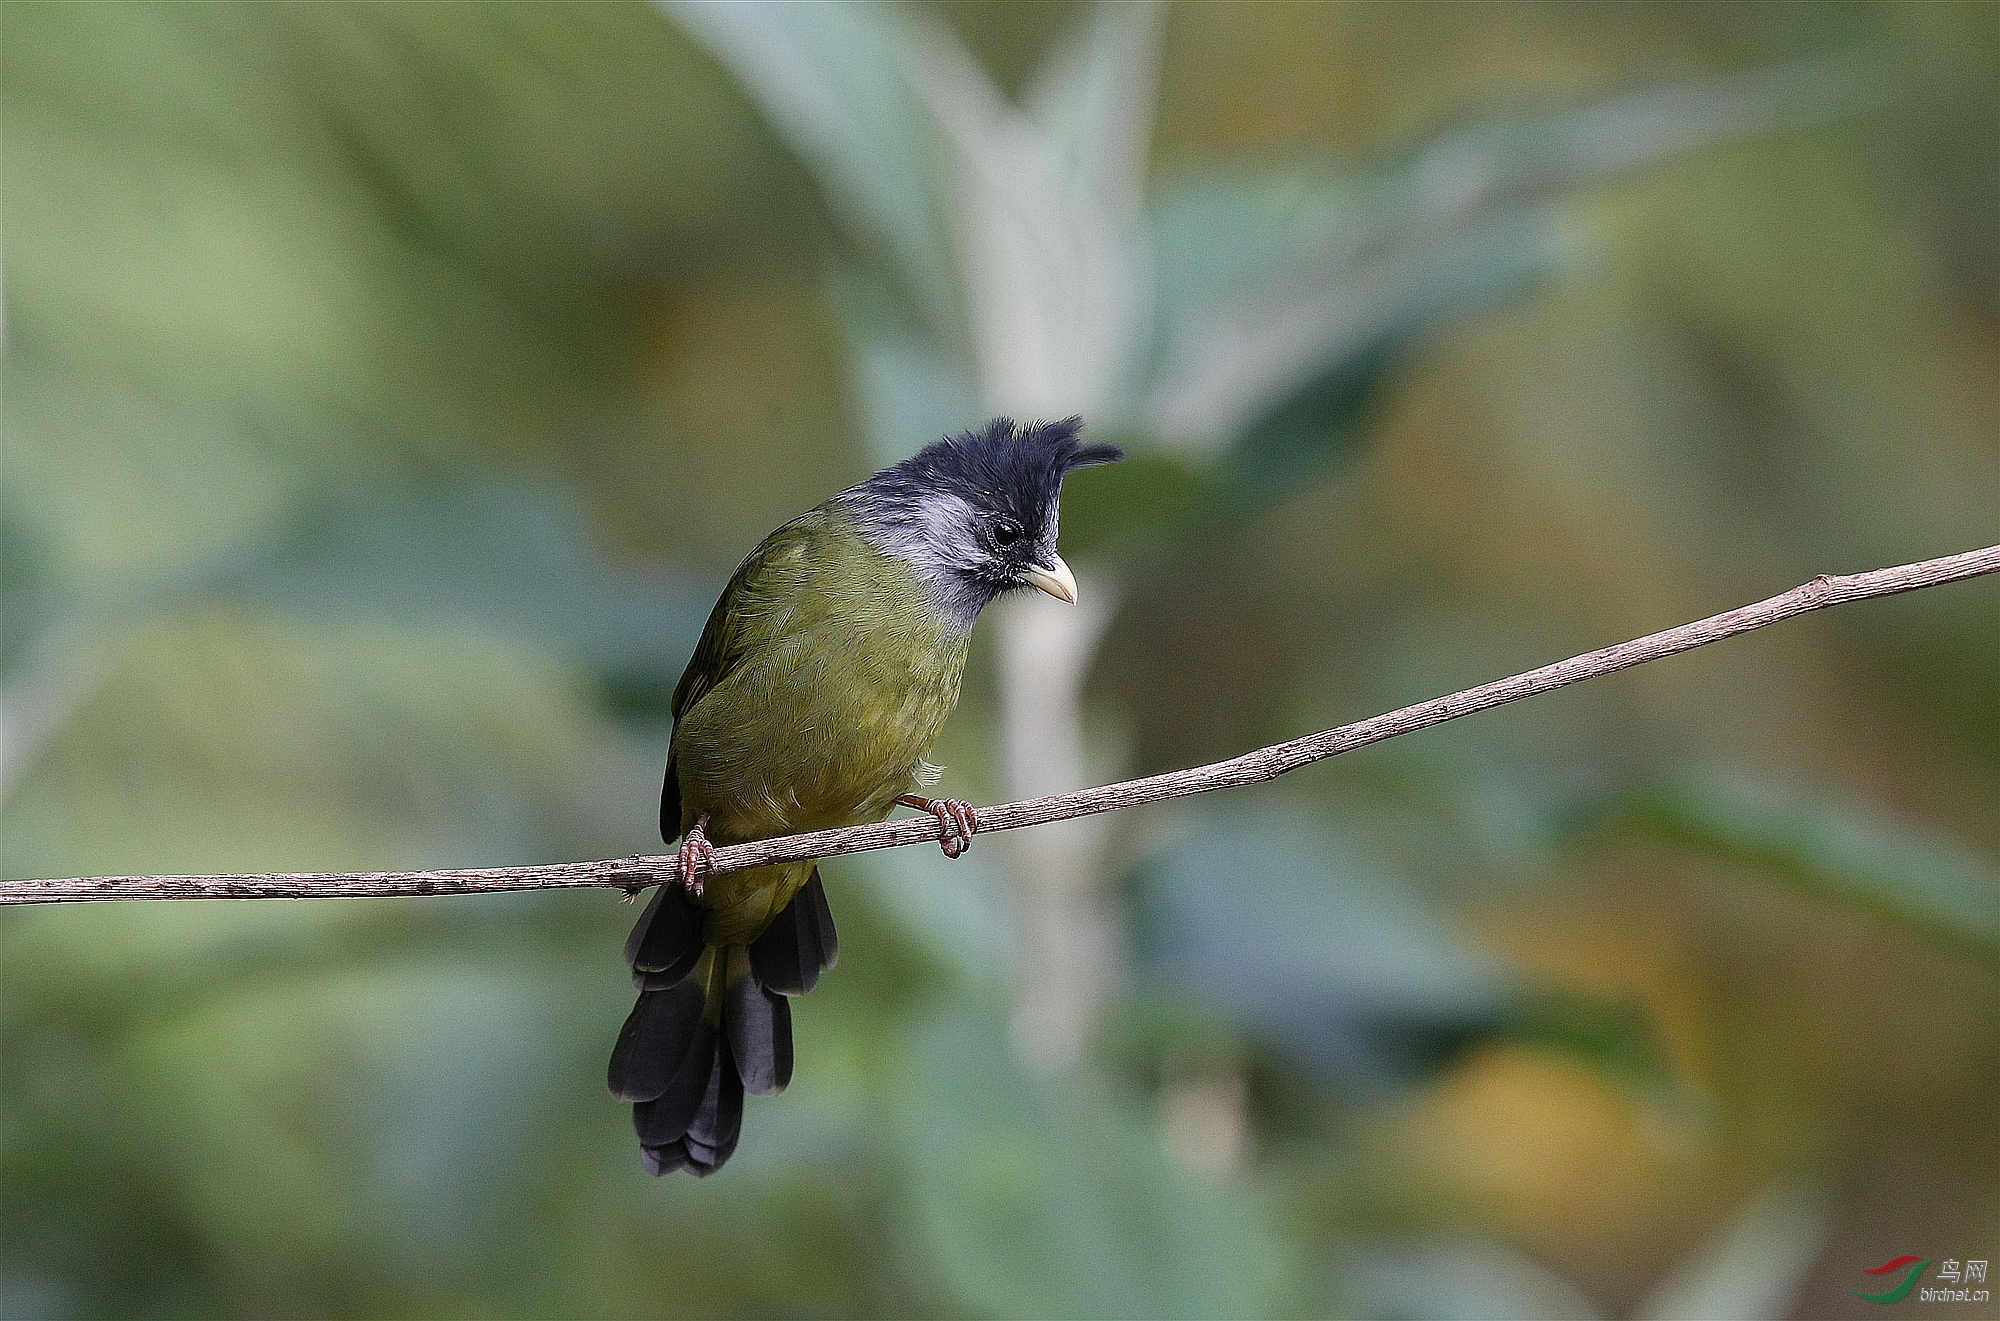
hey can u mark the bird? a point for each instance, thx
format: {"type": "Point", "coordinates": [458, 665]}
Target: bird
{"type": "Point", "coordinates": [826, 670]}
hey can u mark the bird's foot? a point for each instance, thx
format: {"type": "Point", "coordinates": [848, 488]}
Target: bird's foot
{"type": "Point", "coordinates": [697, 856]}
{"type": "Point", "coordinates": [956, 820]}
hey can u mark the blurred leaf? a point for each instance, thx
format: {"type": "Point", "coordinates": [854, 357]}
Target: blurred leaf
{"type": "Point", "coordinates": [251, 256]}
{"type": "Point", "coordinates": [1298, 429]}
{"type": "Point", "coordinates": [1512, 151]}
{"type": "Point", "coordinates": [308, 1122]}
{"type": "Point", "coordinates": [1329, 954]}
{"type": "Point", "coordinates": [1752, 1270]}
{"type": "Point", "coordinates": [1839, 850]}
{"type": "Point", "coordinates": [509, 561]}
{"type": "Point", "coordinates": [1296, 347]}
{"type": "Point", "coordinates": [1227, 234]}
{"type": "Point", "coordinates": [1136, 506]}
{"type": "Point", "coordinates": [909, 386]}
{"type": "Point", "coordinates": [1614, 1037]}
{"type": "Point", "coordinates": [1015, 230]}
{"type": "Point", "coordinates": [1284, 294]}
{"type": "Point", "coordinates": [960, 918]}
{"type": "Point", "coordinates": [837, 81]}
{"type": "Point", "coordinates": [1047, 204]}
{"type": "Point", "coordinates": [1461, 1280]}
{"type": "Point", "coordinates": [1030, 1197]}
{"type": "Point", "coordinates": [228, 740]}
{"type": "Point", "coordinates": [513, 559]}
{"type": "Point", "coordinates": [116, 487]}
{"type": "Point", "coordinates": [1093, 95]}
{"type": "Point", "coordinates": [1313, 945]}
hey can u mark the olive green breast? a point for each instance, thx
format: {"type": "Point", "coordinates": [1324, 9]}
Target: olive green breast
{"type": "Point", "coordinates": [837, 676]}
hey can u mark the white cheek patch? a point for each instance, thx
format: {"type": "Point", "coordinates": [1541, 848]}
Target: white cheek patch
{"type": "Point", "coordinates": [941, 537]}
{"type": "Point", "coordinates": [947, 527]}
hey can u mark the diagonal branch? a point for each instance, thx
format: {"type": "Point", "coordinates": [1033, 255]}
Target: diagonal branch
{"type": "Point", "coordinates": [1250, 768]}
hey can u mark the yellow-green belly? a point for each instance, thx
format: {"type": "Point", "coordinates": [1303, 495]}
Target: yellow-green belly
{"type": "Point", "coordinates": [845, 683]}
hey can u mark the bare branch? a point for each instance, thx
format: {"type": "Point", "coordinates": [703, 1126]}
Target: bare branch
{"type": "Point", "coordinates": [1250, 768]}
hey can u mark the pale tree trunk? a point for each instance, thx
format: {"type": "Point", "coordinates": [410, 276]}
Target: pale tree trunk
{"type": "Point", "coordinates": [1066, 936]}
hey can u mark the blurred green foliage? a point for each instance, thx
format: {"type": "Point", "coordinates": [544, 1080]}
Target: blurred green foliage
{"type": "Point", "coordinates": [388, 388]}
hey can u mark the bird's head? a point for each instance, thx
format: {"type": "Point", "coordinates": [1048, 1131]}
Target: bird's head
{"type": "Point", "coordinates": [975, 514]}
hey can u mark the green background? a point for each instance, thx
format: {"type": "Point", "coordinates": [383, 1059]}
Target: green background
{"type": "Point", "coordinates": [388, 390]}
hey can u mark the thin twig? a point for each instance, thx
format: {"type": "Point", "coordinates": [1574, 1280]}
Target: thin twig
{"type": "Point", "coordinates": [1250, 768]}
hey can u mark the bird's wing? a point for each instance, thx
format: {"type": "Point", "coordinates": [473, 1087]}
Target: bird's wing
{"type": "Point", "coordinates": [766, 572]}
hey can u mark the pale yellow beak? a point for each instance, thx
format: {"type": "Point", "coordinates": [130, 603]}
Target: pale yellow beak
{"type": "Point", "coordinates": [1053, 578]}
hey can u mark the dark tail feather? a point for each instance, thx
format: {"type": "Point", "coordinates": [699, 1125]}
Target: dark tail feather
{"type": "Point", "coordinates": [706, 1139]}
{"type": "Point", "coordinates": [666, 942]}
{"type": "Point", "coordinates": [800, 942]}
{"type": "Point", "coordinates": [711, 1138]}
{"type": "Point", "coordinates": [760, 1029]}
{"type": "Point", "coordinates": [667, 1116]}
{"type": "Point", "coordinates": [711, 1024]}
{"type": "Point", "coordinates": [670, 1061]}
{"type": "Point", "coordinates": [660, 1038]}
{"type": "Point", "coordinates": [820, 919]}
{"type": "Point", "coordinates": [695, 1120]}
{"type": "Point", "coordinates": [687, 1054]}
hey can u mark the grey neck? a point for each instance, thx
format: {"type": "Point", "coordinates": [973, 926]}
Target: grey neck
{"type": "Point", "coordinates": [921, 534]}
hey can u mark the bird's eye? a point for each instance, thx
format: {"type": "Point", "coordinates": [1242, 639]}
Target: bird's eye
{"type": "Point", "coordinates": [1006, 532]}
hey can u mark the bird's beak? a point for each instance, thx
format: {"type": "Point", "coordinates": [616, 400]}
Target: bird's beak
{"type": "Point", "coordinates": [1053, 578]}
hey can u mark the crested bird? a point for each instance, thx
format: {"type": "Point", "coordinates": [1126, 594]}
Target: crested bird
{"type": "Point", "coordinates": [826, 670]}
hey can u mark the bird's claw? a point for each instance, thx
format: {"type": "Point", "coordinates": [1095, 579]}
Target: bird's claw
{"type": "Point", "coordinates": [697, 857]}
{"type": "Point", "coordinates": [956, 821]}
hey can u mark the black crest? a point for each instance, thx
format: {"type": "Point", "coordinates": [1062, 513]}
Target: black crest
{"type": "Point", "coordinates": [975, 514]}
{"type": "Point", "coordinates": [1003, 464]}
